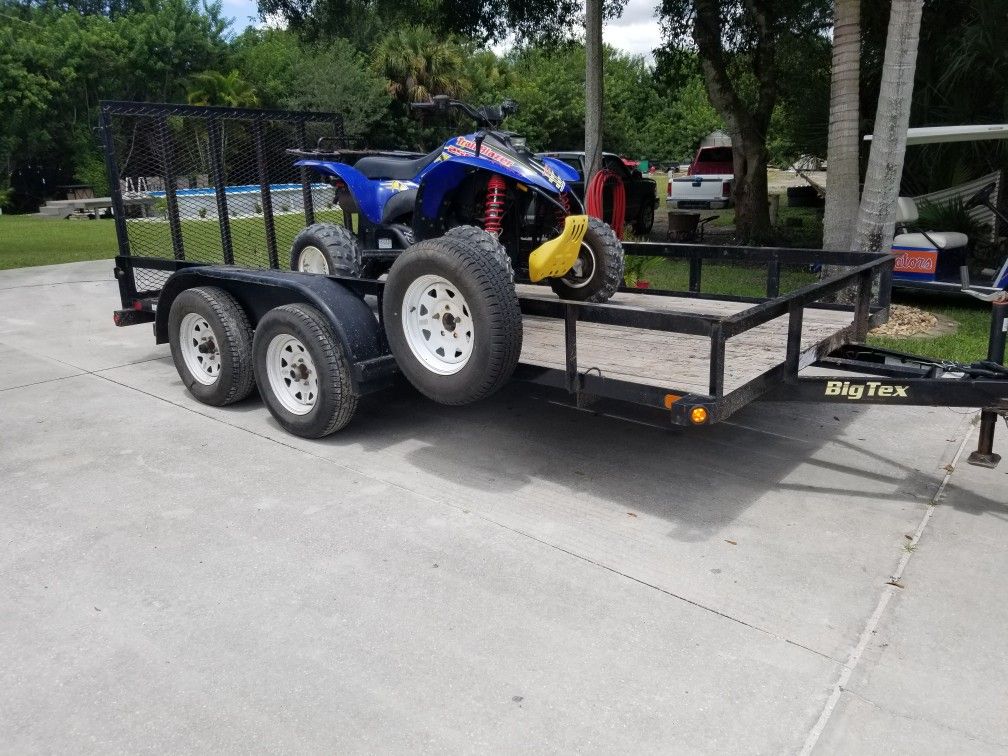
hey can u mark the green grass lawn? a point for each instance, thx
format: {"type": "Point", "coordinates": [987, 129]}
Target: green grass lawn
{"type": "Point", "coordinates": [967, 344]}
{"type": "Point", "coordinates": [717, 278]}
{"type": "Point", "coordinates": [26, 240]}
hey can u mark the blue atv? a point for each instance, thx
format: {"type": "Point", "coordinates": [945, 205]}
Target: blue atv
{"type": "Point", "coordinates": [452, 230]}
{"type": "Point", "coordinates": [486, 180]}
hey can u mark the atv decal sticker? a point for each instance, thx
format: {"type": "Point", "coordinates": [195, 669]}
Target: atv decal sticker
{"type": "Point", "coordinates": [400, 186]}
{"type": "Point", "coordinates": [550, 175]}
{"type": "Point", "coordinates": [485, 151]}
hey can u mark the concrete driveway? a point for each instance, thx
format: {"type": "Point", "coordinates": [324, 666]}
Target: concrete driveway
{"type": "Point", "coordinates": [509, 576]}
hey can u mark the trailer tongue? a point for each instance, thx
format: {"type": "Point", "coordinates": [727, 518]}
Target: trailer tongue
{"type": "Point", "coordinates": [688, 357]}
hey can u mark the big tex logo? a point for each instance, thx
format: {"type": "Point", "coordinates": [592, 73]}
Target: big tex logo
{"type": "Point", "coordinates": [855, 391]}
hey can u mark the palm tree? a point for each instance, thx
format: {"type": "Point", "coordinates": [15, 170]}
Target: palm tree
{"type": "Point", "coordinates": [419, 65]}
{"type": "Point", "coordinates": [215, 88]}
{"type": "Point", "coordinates": [885, 162]}
{"type": "Point", "coordinates": [842, 190]}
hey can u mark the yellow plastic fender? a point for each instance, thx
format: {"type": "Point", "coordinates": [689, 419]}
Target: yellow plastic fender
{"type": "Point", "coordinates": [554, 258]}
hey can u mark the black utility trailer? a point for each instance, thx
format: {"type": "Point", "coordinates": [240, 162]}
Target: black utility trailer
{"type": "Point", "coordinates": [689, 357]}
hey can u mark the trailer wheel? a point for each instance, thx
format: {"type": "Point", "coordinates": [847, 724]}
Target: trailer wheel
{"type": "Point", "coordinates": [598, 272]}
{"type": "Point", "coordinates": [211, 345]}
{"type": "Point", "coordinates": [302, 375]}
{"type": "Point", "coordinates": [485, 242]}
{"type": "Point", "coordinates": [328, 249]}
{"type": "Point", "coordinates": [452, 319]}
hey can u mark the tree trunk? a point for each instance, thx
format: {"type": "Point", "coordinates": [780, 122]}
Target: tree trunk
{"type": "Point", "coordinates": [752, 209]}
{"type": "Point", "coordinates": [593, 89]}
{"type": "Point", "coordinates": [877, 214]}
{"type": "Point", "coordinates": [746, 123]}
{"type": "Point", "coordinates": [843, 151]}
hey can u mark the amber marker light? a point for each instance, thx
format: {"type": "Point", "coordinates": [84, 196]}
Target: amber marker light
{"type": "Point", "coordinates": [671, 399]}
{"type": "Point", "coordinates": [698, 415]}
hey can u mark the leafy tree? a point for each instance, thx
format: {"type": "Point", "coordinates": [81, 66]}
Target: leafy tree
{"type": "Point", "coordinates": [480, 20]}
{"type": "Point", "coordinates": [738, 45]}
{"type": "Point", "coordinates": [419, 64]}
{"type": "Point", "coordinates": [56, 65]}
{"type": "Point", "coordinates": [336, 78]}
{"type": "Point", "coordinates": [294, 75]}
{"type": "Point", "coordinates": [216, 88]}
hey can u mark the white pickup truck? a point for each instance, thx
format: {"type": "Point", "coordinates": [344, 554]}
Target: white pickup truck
{"type": "Point", "coordinates": [708, 182]}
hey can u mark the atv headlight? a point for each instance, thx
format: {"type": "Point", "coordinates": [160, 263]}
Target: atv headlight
{"type": "Point", "coordinates": [518, 143]}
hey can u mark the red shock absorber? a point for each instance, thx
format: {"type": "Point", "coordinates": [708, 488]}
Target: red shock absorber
{"type": "Point", "coordinates": [495, 195]}
{"type": "Point", "coordinates": [562, 214]}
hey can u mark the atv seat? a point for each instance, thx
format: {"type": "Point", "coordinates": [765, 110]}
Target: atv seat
{"type": "Point", "coordinates": [403, 169]}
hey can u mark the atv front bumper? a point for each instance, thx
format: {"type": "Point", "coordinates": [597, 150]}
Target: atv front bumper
{"type": "Point", "coordinates": [554, 258]}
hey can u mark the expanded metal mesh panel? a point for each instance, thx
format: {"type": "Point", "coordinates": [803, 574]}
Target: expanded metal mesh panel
{"type": "Point", "coordinates": [214, 185]}
{"type": "Point", "coordinates": [149, 280]}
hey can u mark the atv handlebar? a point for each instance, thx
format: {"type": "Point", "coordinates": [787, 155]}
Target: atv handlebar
{"type": "Point", "coordinates": [486, 115]}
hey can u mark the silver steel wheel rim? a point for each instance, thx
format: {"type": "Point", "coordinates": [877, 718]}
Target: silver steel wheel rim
{"type": "Point", "coordinates": [312, 260]}
{"type": "Point", "coordinates": [575, 277]}
{"type": "Point", "coordinates": [438, 324]}
{"type": "Point", "coordinates": [200, 349]}
{"type": "Point", "coordinates": [292, 376]}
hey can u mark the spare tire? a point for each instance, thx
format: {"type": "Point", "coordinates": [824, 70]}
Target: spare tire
{"type": "Point", "coordinates": [487, 243]}
{"type": "Point", "coordinates": [452, 319]}
{"type": "Point", "coordinates": [328, 249]}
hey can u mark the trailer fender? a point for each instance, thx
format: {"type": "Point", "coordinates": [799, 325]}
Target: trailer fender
{"type": "Point", "coordinates": [259, 291]}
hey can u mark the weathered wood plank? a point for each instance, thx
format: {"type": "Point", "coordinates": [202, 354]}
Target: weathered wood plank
{"type": "Point", "coordinates": [670, 359]}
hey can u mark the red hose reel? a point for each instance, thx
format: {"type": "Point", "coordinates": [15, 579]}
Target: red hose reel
{"type": "Point", "coordinates": [595, 193]}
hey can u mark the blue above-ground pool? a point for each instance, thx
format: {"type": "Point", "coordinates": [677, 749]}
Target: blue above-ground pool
{"type": "Point", "coordinates": [246, 199]}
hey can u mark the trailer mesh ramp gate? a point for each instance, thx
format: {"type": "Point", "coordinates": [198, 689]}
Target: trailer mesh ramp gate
{"type": "Point", "coordinates": [210, 185]}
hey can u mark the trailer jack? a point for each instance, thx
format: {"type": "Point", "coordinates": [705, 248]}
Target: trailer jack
{"type": "Point", "coordinates": [984, 455]}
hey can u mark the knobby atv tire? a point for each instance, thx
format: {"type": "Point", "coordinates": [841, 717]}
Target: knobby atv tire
{"type": "Point", "coordinates": [607, 273]}
{"type": "Point", "coordinates": [233, 339]}
{"type": "Point", "coordinates": [487, 287]}
{"type": "Point", "coordinates": [337, 398]}
{"type": "Point", "coordinates": [337, 244]}
{"type": "Point", "coordinates": [486, 243]}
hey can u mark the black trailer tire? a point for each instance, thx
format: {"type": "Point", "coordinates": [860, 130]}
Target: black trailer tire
{"type": "Point", "coordinates": [602, 267]}
{"type": "Point", "coordinates": [452, 320]}
{"type": "Point", "coordinates": [303, 376]}
{"type": "Point", "coordinates": [326, 248]}
{"type": "Point", "coordinates": [211, 345]}
{"type": "Point", "coordinates": [486, 243]}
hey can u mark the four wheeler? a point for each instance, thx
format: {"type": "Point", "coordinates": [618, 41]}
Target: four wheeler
{"type": "Point", "coordinates": [489, 180]}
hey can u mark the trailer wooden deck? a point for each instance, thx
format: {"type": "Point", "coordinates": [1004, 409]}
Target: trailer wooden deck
{"type": "Point", "coordinates": [673, 360]}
